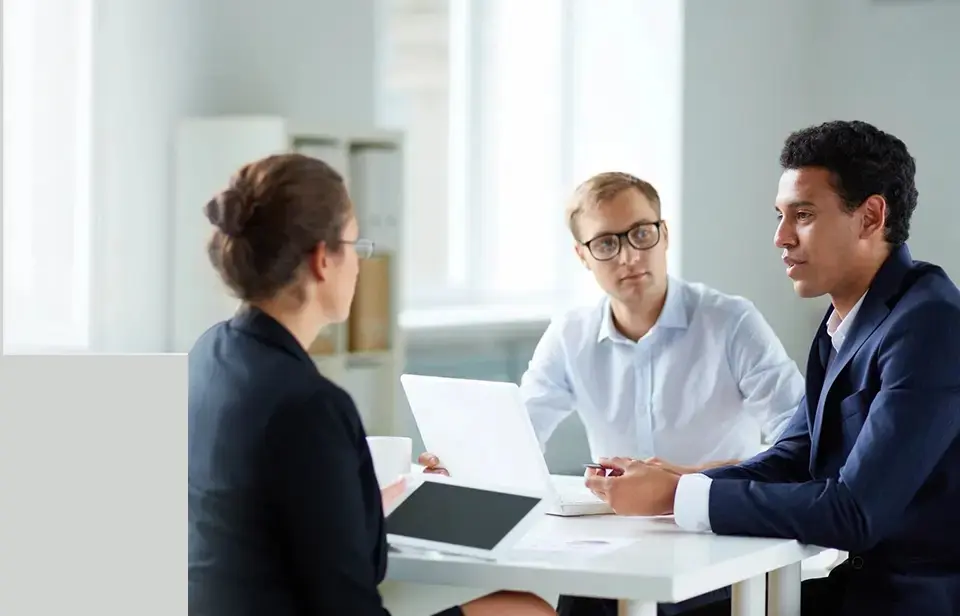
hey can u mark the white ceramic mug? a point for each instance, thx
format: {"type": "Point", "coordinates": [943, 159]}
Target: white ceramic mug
{"type": "Point", "coordinates": [392, 457]}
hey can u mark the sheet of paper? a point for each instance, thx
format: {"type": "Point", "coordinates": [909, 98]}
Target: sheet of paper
{"type": "Point", "coordinates": [578, 545]}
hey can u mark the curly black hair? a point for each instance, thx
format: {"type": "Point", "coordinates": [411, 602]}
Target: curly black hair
{"type": "Point", "coordinates": [863, 161]}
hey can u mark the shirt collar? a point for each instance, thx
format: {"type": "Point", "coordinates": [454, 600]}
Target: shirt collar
{"type": "Point", "coordinates": [673, 315]}
{"type": "Point", "coordinates": [838, 328]}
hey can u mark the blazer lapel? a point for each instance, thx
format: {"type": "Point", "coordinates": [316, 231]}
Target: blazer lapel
{"type": "Point", "coordinates": [816, 372]}
{"type": "Point", "coordinates": [873, 311]}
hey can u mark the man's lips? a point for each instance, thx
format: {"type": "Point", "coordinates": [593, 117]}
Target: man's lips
{"type": "Point", "coordinates": [790, 262]}
{"type": "Point", "coordinates": [792, 265]}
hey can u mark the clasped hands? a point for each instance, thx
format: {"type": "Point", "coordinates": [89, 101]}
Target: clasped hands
{"type": "Point", "coordinates": [635, 487]}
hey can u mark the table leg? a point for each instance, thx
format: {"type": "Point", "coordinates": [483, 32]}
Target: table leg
{"type": "Point", "coordinates": [784, 597]}
{"type": "Point", "coordinates": [749, 597]}
{"type": "Point", "coordinates": [636, 608]}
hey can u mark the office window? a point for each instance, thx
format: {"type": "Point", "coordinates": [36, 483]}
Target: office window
{"type": "Point", "coordinates": [46, 174]}
{"type": "Point", "coordinates": [416, 78]}
{"type": "Point", "coordinates": [512, 189]}
{"type": "Point", "coordinates": [507, 106]}
{"type": "Point", "coordinates": [475, 86]}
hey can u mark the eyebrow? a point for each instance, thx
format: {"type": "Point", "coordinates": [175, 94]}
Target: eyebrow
{"type": "Point", "coordinates": [630, 228]}
{"type": "Point", "coordinates": [794, 205]}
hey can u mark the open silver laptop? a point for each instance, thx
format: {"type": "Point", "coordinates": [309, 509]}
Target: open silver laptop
{"type": "Point", "coordinates": [481, 431]}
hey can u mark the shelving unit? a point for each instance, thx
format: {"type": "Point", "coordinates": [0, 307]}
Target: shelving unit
{"type": "Point", "coordinates": [366, 354]}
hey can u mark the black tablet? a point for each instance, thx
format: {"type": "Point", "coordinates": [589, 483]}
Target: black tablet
{"type": "Point", "coordinates": [436, 512]}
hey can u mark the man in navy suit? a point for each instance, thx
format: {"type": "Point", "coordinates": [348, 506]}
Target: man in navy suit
{"type": "Point", "coordinates": [870, 462]}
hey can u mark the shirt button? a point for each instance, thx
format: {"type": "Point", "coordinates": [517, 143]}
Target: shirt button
{"type": "Point", "coordinates": [856, 562]}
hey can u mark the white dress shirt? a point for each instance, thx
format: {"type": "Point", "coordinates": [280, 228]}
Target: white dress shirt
{"type": "Point", "coordinates": [710, 381]}
{"type": "Point", "coordinates": [691, 504]}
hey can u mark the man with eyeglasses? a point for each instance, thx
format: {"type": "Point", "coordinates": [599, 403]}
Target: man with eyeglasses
{"type": "Point", "coordinates": [661, 369]}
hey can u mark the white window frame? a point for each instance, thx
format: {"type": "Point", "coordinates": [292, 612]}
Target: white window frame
{"type": "Point", "coordinates": [467, 150]}
{"type": "Point", "coordinates": [46, 201]}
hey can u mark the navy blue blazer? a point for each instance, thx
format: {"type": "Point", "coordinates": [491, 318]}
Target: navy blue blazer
{"type": "Point", "coordinates": [870, 462]}
{"type": "Point", "coordinates": [285, 515]}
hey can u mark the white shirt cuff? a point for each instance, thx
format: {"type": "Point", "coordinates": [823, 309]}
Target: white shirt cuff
{"type": "Point", "coordinates": [691, 505]}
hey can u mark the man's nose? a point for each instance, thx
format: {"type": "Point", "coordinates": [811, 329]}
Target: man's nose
{"type": "Point", "coordinates": [628, 254]}
{"type": "Point", "coordinates": [784, 236]}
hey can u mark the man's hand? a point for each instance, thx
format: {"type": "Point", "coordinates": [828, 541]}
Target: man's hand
{"type": "Point", "coordinates": [634, 487]}
{"type": "Point", "coordinates": [431, 464]}
{"type": "Point", "coordinates": [688, 470]}
{"type": "Point", "coordinates": [676, 469]}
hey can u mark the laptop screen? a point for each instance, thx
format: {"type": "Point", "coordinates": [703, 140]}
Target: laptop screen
{"type": "Point", "coordinates": [459, 515]}
{"type": "Point", "coordinates": [458, 419]}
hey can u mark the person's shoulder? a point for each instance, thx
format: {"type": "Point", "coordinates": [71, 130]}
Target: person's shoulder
{"type": "Point", "coordinates": [581, 315]}
{"type": "Point", "coordinates": [928, 282]}
{"type": "Point", "coordinates": [209, 338]}
{"type": "Point", "coordinates": [718, 308]}
{"type": "Point", "coordinates": [928, 297]}
{"type": "Point", "coordinates": [327, 392]}
{"type": "Point", "coordinates": [919, 335]}
{"type": "Point", "coordinates": [579, 324]}
{"type": "Point", "coordinates": [323, 407]}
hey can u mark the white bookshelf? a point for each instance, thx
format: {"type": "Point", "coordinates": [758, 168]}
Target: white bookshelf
{"type": "Point", "coordinates": [207, 151]}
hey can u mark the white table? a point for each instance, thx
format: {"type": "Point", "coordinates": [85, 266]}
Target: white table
{"type": "Point", "coordinates": [661, 564]}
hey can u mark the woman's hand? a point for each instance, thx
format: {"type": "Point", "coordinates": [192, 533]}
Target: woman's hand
{"type": "Point", "coordinates": [431, 464]}
{"type": "Point", "coordinates": [392, 492]}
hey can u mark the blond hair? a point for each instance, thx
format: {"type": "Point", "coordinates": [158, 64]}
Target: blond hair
{"type": "Point", "coordinates": [603, 187]}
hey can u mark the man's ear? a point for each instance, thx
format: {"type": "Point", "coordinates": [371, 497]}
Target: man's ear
{"type": "Point", "coordinates": [874, 211]}
{"type": "Point", "coordinates": [664, 233]}
{"type": "Point", "coordinates": [580, 249]}
{"type": "Point", "coordinates": [318, 262]}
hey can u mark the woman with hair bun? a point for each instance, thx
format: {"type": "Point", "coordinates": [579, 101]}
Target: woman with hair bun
{"type": "Point", "coordinates": [285, 514]}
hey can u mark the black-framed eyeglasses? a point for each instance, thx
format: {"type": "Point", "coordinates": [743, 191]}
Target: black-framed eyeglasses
{"type": "Point", "coordinates": [363, 246]}
{"type": "Point", "coordinates": [642, 236]}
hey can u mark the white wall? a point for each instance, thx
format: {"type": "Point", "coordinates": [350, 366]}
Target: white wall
{"type": "Point", "coordinates": [897, 65]}
{"type": "Point", "coordinates": [748, 81]}
{"type": "Point", "coordinates": [158, 60]}
{"type": "Point", "coordinates": [754, 70]}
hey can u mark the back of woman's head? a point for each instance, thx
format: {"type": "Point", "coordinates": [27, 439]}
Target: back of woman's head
{"type": "Point", "coordinates": [271, 216]}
